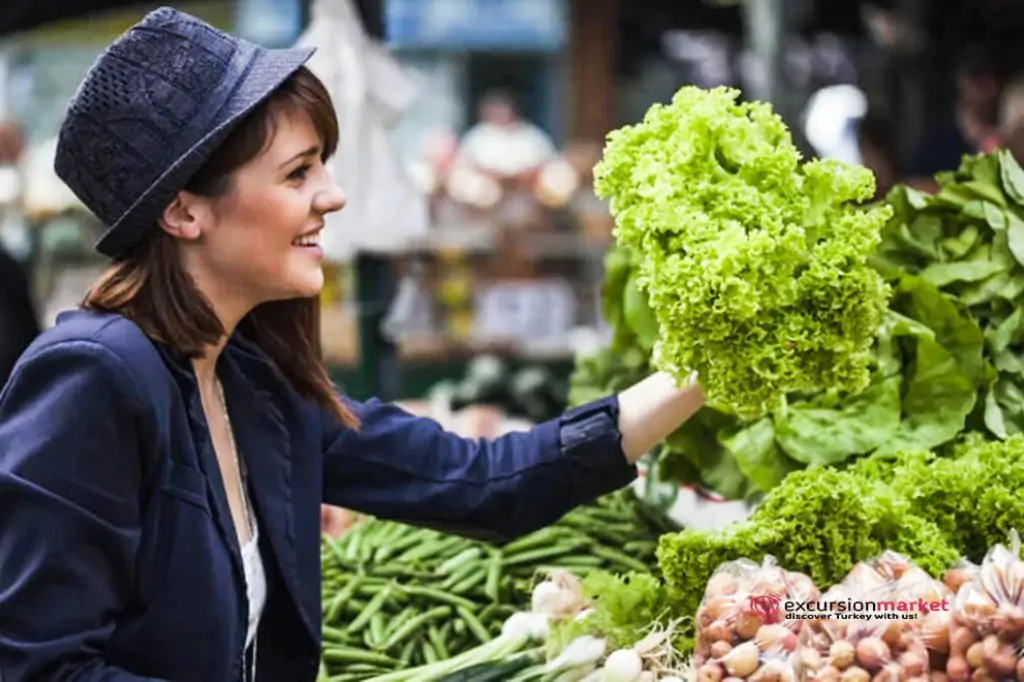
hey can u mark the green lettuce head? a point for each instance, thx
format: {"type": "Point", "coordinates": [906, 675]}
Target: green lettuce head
{"type": "Point", "coordinates": [754, 262]}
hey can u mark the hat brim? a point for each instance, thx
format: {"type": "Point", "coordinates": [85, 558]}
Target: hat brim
{"type": "Point", "coordinates": [269, 70]}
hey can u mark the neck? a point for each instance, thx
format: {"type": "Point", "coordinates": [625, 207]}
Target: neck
{"type": "Point", "coordinates": [230, 312]}
{"type": "Point", "coordinates": [230, 305]}
{"type": "Point", "coordinates": [206, 366]}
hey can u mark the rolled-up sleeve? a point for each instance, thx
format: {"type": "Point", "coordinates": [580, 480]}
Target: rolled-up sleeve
{"type": "Point", "coordinates": [408, 468]}
{"type": "Point", "coordinates": [70, 477]}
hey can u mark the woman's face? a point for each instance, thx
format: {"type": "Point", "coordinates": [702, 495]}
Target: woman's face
{"type": "Point", "coordinates": [260, 241]}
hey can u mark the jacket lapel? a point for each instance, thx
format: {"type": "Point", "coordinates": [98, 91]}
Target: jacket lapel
{"type": "Point", "coordinates": [181, 370]}
{"type": "Point", "coordinates": [265, 444]}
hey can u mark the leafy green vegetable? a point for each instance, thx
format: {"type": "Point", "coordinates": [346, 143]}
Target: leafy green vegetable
{"type": "Point", "coordinates": [821, 521]}
{"type": "Point", "coordinates": [948, 356]}
{"type": "Point", "coordinates": [624, 609]}
{"type": "Point", "coordinates": [755, 264]}
{"type": "Point", "coordinates": [972, 495]}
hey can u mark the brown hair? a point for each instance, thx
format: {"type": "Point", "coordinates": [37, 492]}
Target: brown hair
{"type": "Point", "coordinates": [151, 287]}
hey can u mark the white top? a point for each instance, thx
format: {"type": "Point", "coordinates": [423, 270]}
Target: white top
{"type": "Point", "coordinates": [252, 561]}
{"type": "Point", "coordinates": [255, 581]}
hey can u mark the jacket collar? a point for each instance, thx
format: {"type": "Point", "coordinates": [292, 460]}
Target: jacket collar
{"type": "Point", "coordinates": [252, 385]}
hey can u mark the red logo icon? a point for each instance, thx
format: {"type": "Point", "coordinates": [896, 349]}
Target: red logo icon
{"type": "Point", "coordinates": [767, 606]}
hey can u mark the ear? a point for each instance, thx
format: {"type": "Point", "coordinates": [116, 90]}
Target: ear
{"type": "Point", "coordinates": [185, 217]}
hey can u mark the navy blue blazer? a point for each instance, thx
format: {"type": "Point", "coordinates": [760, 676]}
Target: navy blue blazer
{"type": "Point", "coordinates": [119, 561]}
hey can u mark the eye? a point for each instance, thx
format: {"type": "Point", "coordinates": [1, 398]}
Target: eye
{"type": "Point", "coordinates": [299, 173]}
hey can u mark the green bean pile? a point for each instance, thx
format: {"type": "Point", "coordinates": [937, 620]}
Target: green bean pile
{"type": "Point", "coordinates": [396, 596]}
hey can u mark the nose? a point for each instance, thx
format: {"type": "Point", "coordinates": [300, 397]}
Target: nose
{"type": "Point", "coordinates": [330, 199]}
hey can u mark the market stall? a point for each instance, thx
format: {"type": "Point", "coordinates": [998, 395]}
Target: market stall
{"type": "Point", "coordinates": [868, 427]}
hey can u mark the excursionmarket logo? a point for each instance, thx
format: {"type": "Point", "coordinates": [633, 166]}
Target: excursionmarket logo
{"type": "Point", "coordinates": [772, 608]}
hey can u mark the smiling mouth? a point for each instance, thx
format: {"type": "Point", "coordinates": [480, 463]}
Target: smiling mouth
{"type": "Point", "coordinates": [307, 240]}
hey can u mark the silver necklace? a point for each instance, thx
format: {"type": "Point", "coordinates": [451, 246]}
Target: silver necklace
{"type": "Point", "coordinates": [237, 454]}
{"type": "Point", "coordinates": [249, 519]}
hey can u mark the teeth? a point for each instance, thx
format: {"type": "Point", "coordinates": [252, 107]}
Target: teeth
{"type": "Point", "coordinates": [308, 240]}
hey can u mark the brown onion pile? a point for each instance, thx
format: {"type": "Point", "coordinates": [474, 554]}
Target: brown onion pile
{"type": "Point", "coordinates": [986, 631]}
{"type": "Point", "coordinates": [736, 636]}
{"type": "Point", "coordinates": [971, 627]}
{"type": "Point", "coordinates": [876, 650]}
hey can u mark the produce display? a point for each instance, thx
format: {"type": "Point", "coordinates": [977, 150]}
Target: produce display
{"type": "Point", "coordinates": [831, 649]}
{"type": "Point", "coordinates": [865, 390]}
{"type": "Point", "coordinates": [968, 241]}
{"type": "Point", "coordinates": [736, 635]}
{"type": "Point", "coordinates": [945, 362]}
{"type": "Point", "coordinates": [535, 646]}
{"type": "Point", "coordinates": [886, 621]}
{"type": "Point", "coordinates": [982, 639]}
{"type": "Point", "coordinates": [754, 264]}
{"type": "Point", "coordinates": [823, 521]}
{"type": "Point", "coordinates": [396, 596]}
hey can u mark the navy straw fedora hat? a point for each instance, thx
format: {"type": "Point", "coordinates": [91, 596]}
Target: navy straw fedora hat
{"type": "Point", "coordinates": [152, 109]}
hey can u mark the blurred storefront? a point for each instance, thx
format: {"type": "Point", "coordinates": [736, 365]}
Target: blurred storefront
{"type": "Point", "coordinates": [513, 260]}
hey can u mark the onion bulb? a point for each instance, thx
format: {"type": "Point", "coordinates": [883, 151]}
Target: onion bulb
{"type": "Point", "coordinates": [545, 597]}
{"type": "Point", "coordinates": [855, 674]}
{"type": "Point", "coordinates": [710, 672]}
{"type": "Point", "coordinates": [842, 654]}
{"type": "Point", "coordinates": [872, 653]}
{"type": "Point", "coordinates": [935, 631]}
{"type": "Point", "coordinates": [623, 665]}
{"type": "Point", "coordinates": [957, 669]}
{"type": "Point", "coordinates": [743, 660]}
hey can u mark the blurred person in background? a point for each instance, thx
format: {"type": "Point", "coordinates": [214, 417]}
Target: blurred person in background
{"type": "Point", "coordinates": [878, 152]}
{"type": "Point", "coordinates": [165, 449]}
{"type": "Point", "coordinates": [502, 142]}
{"type": "Point", "coordinates": [19, 323]}
{"type": "Point", "coordinates": [969, 129]}
{"type": "Point", "coordinates": [1011, 117]}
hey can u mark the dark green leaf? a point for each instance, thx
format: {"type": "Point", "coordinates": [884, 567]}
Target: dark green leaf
{"type": "Point", "coordinates": [960, 195]}
{"type": "Point", "coordinates": [983, 168]}
{"type": "Point", "coordinates": [639, 315]}
{"type": "Point", "coordinates": [941, 274]}
{"type": "Point", "coordinates": [1012, 176]}
{"type": "Point", "coordinates": [1015, 239]}
{"type": "Point", "coordinates": [617, 270]}
{"type": "Point", "coordinates": [725, 477]}
{"type": "Point", "coordinates": [955, 332]}
{"type": "Point", "coordinates": [962, 243]}
{"type": "Point", "coordinates": [814, 435]}
{"type": "Point", "coordinates": [1009, 362]}
{"type": "Point", "coordinates": [1003, 334]}
{"type": "Point", "coordinates": [1002, 285]}
{"type": "Point", "coordinates": [1004, 408]}
{"type": "Point", "coordinates": [938, 399]}
{"type": "Point", "coordinates": [995, 216]}
{"type": "Point", "coordinates": [757, 456]}
{"type": "Point", "coordinates": [994, 420]}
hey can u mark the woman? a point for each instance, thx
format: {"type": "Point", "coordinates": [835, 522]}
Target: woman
{"type": "Point", "coordinates": [164, 452]}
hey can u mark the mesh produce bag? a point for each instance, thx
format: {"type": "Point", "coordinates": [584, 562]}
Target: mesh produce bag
{"type": "Point", "coordinates": [743, 626]}
{"type": "Point", "coordinates": [985, 642]}
{"type": "Point", "coordinates": [868, 626]}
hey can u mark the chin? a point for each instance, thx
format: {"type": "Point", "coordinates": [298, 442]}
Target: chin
{"type": "Point", "coordinates": [308, 285]}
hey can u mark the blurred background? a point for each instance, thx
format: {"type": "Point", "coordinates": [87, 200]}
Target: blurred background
{"type": "Point", "coordinates": [467, 270]}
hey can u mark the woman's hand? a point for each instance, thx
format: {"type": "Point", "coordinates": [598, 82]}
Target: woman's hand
{"type": "Point", "coordinates": [653, 408]}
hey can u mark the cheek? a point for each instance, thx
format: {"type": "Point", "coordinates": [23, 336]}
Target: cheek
{"type": "Point", "coordinates": [268, 224]}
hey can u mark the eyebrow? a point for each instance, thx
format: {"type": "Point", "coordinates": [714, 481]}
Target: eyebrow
{"type": "Point", "coordinates": [312, 151]}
